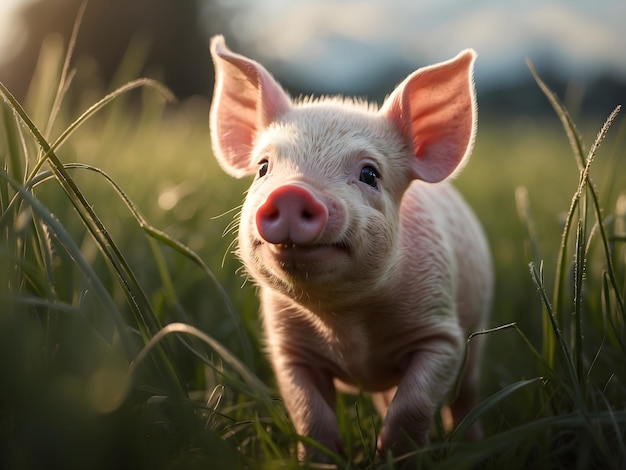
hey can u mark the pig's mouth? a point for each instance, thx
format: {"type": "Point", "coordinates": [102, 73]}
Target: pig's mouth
{"type": "Point", "coordinates": [295, 250]}
{"type": "Point", "coordinates": [310, 259]}
{"type": "Point", "coordinates": [293, 246]}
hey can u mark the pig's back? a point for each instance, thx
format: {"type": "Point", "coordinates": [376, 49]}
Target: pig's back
{"type": "Point", "coordinates": [437, 220]}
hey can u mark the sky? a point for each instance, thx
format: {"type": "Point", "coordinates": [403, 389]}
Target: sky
{"type": "Point", "coordinates": [334, 42]}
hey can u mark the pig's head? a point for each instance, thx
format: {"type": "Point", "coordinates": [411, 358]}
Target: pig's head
{"type": "Point", "coordinates": [322, 214]}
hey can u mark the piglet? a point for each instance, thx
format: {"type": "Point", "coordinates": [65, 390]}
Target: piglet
{"type": "Point", "coordinates": [371, 269]}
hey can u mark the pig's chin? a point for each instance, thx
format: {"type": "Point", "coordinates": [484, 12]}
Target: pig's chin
{"type": "Point", "coordinates": [308, 264]}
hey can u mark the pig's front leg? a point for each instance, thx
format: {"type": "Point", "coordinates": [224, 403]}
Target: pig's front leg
{"type": "Point", "coordinates": [309, 396]}
{"type": "Point", "coordinates": [429, 376]}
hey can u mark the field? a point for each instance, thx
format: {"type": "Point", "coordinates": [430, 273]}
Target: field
{"type": "Point", "coordinates": [129, 339]}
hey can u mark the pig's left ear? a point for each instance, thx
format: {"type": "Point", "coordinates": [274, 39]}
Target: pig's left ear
{"type": "Point", "coordinates": [434, 108]}
{"type": "Point", "coordinates": [246, 100]}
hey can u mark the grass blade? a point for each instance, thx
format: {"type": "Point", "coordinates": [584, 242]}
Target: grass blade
{"type": "Point", "coordinates": [538, 280]}
{"type": "Point", "coordinates": [528, 432]}
{"type": "Point", "coordinates": [579, 270]}
{"type": "Point", "coordinates": [140, 82]}
{"type": "Point", "coordinates": [147, 322]}
{"type": "Point", "coordinates": [66, 241]}
{"type": "Point", "coordinates": [523, 209]}
{"type": "Point", "coordinates": [568, 123]}
{"type": "Point", "coordinates": [90, 219]}
{"type": "Point", "coordinates": [177, 246]}
{"type": "Point", "coordinates": [66, 75]}
{"type": "Point", "coordinates": [584, 165]}
{"type": "Point", "coordinates": [259, 389]}
{"type": "Point", "coordinates": [490, 403]}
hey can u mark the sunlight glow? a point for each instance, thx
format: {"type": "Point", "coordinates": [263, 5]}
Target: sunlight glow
{"type": "Point", "coordinates": [12, 29]}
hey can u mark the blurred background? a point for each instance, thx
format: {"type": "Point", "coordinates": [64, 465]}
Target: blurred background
{"type": "Point", "coordinates": [351, 47]}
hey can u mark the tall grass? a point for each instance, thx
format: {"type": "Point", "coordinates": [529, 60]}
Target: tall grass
{"type": "Point", "coordinates": [121, 347]}
{"type": "Point", "coordinates": [91, 378]}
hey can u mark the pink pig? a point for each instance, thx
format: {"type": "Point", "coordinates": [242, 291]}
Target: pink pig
{"type": "Point", "coordinates": [371, 269]}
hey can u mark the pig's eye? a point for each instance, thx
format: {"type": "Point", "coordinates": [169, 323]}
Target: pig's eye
{"type": "Point", "coordinates": [369, 176]}
{"type": "Point", "coordinates": [263, 168]}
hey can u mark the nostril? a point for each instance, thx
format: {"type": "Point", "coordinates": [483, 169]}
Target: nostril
{"type": "Point", "coordinates": [271, 214]}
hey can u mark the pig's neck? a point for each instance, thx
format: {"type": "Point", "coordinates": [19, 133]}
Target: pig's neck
{"type": "Point", "coordinates": [348, 298]}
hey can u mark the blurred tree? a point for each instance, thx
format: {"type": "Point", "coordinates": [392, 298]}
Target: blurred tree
{"type": "Point", "coordinates": [175, 31]}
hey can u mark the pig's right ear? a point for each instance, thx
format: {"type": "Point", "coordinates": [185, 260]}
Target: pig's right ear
{"type": "Point", "coordinates": [434, 110]}
{"type": "Point", "coordinates": [246, 100]}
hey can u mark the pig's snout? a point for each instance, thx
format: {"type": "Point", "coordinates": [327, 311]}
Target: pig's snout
{"type": "Point", "coordinates": [291, 214]}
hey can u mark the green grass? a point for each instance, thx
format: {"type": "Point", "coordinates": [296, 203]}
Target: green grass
{"type": "Point", "coordinates": [128, 339]}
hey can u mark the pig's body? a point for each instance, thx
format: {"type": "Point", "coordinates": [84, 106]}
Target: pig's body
{"type": "Point", "coordinates": [370, 277]}
{"type": "Point", "coordinates": [423, 309]}
{"type": "Point", "coordinates": [365, 340]}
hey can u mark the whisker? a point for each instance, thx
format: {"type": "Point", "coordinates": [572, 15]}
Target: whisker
{"type": "Point", "coordinates": [229, 250]}
{"type": "Point", "coordinates": [219, 216]}
{"type": "Point", "coordinates": [231, 228]}
{"type": "Point", "coordinates": [233, 225]}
